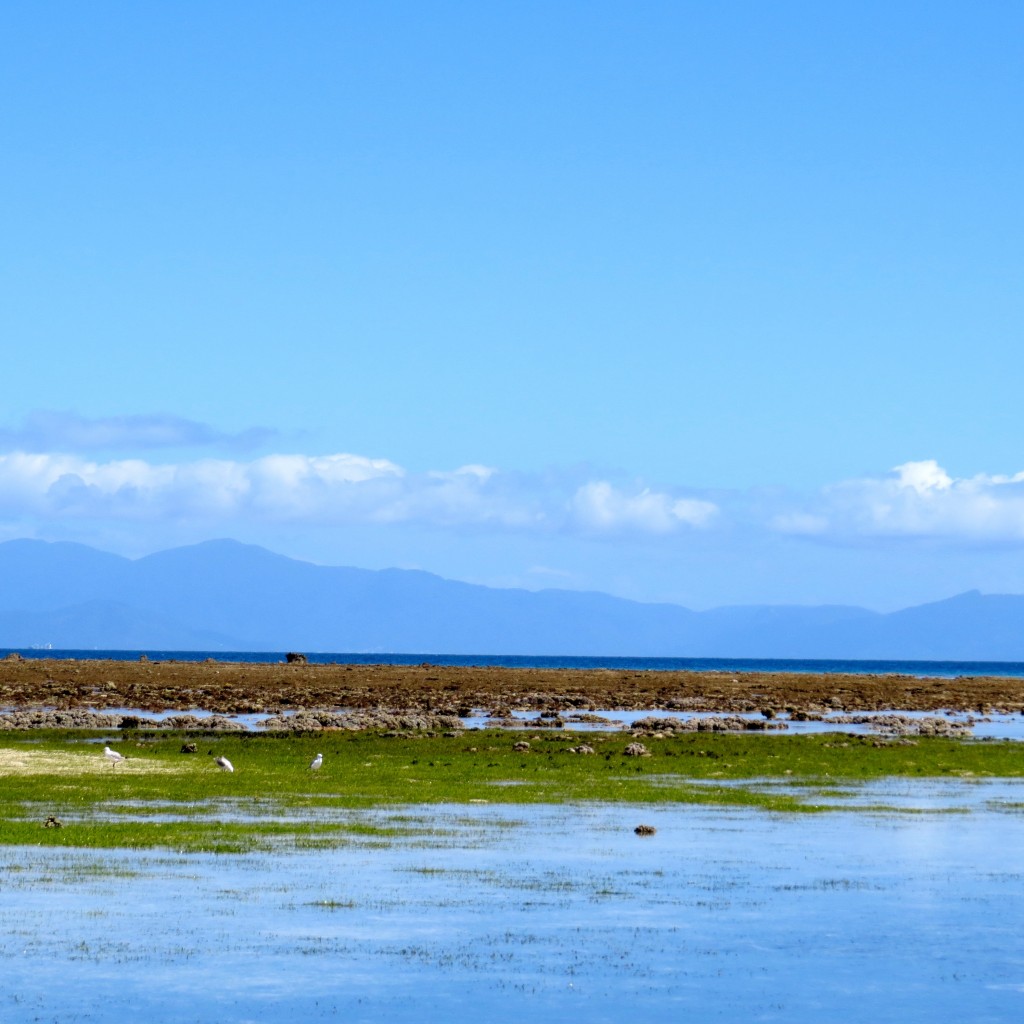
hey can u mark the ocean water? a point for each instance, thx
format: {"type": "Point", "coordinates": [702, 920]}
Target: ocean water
{"type": "Point", "coordinates": [924, 669]}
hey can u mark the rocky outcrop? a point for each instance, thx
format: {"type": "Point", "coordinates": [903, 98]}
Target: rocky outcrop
{"type": "Point", "coordinates": [214, 723]}
{"type": "Point", "coordinates": [653, 724]}
{"type": "Point", "coordinates": [78, 718]}
{"type": "Point", "coordinates": [354, 721]}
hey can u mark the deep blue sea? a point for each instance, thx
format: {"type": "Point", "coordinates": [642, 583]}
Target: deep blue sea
{"type": "Point", "coordinates": [940, 669]}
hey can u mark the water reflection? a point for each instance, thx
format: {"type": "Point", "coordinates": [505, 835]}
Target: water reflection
{"type": "Point", "coordinates": [544, 913]}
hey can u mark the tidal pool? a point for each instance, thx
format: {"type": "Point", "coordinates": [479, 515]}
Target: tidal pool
{"type": "Point", "coordinates": [544, 913]}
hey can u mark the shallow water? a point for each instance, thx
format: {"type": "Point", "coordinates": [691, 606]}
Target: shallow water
{"type": "Point", "coordinates": [545, 913]}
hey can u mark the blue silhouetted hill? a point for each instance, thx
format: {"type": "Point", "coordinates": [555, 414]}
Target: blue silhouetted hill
{"type": "Point", "coordinates": [223, 595]}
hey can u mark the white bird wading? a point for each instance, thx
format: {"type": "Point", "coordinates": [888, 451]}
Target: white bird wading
{"type": "Point", "coordinates": [112, 756]}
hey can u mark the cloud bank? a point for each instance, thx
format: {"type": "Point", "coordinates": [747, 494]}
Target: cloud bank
{"type": "Point", "coordinates": [915, 500]}
{"type": "Point", "coordinates": [333, 490]}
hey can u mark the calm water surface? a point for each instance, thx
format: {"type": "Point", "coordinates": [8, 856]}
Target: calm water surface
{"type": "Point", "coordinates": [545, 914]}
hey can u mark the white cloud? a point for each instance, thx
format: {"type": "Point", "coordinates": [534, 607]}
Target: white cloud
{"type": "Point", "coordinates": [599, 506]}
{"type": "Point", "coordinates": [694, 511]}
{"type": "Point", "coordinates": [923, 477]}
{"type": "Point", "coordinates": [332, 489]}
{"type": "Point", "coordinates": [918, 499]}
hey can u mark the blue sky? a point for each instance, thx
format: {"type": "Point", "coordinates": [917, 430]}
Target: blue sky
{"type": "Point", "coordinates": [683, 301]}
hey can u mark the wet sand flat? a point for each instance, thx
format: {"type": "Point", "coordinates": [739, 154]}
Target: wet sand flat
{"type": "Point", "coordinates": [17, 761]}
{"type": "Point", "coordinates": [245, 687]}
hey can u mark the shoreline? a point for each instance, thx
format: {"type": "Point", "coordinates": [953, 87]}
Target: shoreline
{"type": "Point", "coordinates": [234, 688]}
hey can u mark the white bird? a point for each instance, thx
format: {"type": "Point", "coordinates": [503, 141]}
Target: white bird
{"type": "Point", "coordinates": [316, 762]}
{"type": "Point", "coordinates": [224, 764]}
{"type": "Point", "coordinates": [112, 756]}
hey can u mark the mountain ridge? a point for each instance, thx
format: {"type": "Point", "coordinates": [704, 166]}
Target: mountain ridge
{"type": "Point", "coordinates": [226, 595]}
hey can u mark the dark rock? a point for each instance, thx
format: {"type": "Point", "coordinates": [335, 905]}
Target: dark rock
{"type": "Point", "coordinates": [294, 658]}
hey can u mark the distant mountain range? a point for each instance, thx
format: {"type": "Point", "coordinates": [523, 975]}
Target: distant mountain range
{"type": "Point", "coordinates": [222, 595]}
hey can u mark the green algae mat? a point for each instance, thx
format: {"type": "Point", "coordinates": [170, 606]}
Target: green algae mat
{"type": "Point", "coordinates": [59, 789]}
